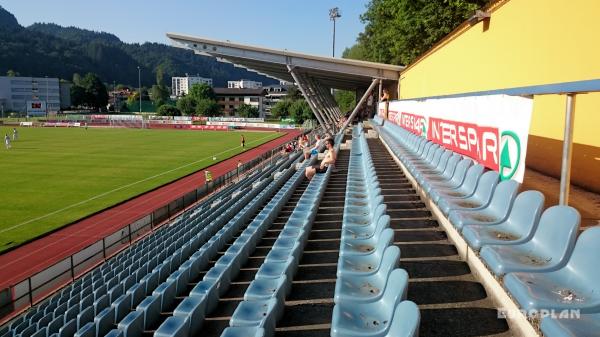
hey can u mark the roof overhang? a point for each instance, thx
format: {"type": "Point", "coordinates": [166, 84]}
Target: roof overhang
{"type": "Point", "coordinates": [330, 72]}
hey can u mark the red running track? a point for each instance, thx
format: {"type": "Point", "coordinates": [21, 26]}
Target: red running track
{"type": "Point", "coordinates": [33, 257]}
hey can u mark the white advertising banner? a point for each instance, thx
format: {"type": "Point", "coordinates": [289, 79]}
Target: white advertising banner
{"type": "Point", "coordinates": [492, 130]}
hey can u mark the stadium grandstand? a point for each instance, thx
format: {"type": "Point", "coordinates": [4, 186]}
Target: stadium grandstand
{"type": "Point", "coordinates": [427, 224]}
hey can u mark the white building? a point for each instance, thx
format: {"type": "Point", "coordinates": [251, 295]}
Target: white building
{"type": "Point", "coordinates": [275, 93]}
{"type": "Point", "coordinates": [17, 92]}
{"type": "Point", "coordinates": [180, 86]}
{"type": "Point", "coordinates": [244, 84]}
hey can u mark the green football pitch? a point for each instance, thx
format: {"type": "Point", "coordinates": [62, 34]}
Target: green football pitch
{"type": "Point", "coordinates": [53, 176]}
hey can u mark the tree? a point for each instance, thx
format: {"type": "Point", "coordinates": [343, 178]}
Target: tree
{"type": "Point", "coordinates": [168, 110]}
{"type": "Point", "coordinates": [160, 75]}
{"type": "Point", "coordinates": [282, 108]}
{"type": "Point", "coordinates": [293, 92]}
{"type": "Point", "coordinates": [345, 99]}
{"type": "Point", "coordinates": [12, 73]}
{"type": "Point", "coordinates": [187, 106]}
{"type": "Point", "coordinates": [248, 111]}
{"type": "Point", "coordinates": [202, 91]}
{"type": "Point", "coordinates": [159, 94]}
{"type": "Point", "coordinates": [89, 91]}
{"type": "Point", "coordinates": [78, 95]}
{"type": "Point", "coordinates": [207, 108]}
{"type": "Point", "coordinates": [300, 111]}
{"type": "Point", "coordinates": [398, 31]}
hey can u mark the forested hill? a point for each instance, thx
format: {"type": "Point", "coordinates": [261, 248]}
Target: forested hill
{"type": "Point", "coordinates": [45, 49]}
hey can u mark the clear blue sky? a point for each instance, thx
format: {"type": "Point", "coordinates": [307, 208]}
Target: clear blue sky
{"type": "Point", "coordinates": [300, 25]}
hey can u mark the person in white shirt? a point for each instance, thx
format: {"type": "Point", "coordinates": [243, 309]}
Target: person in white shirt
{"type": "Point", "coordinates": [329, 160]}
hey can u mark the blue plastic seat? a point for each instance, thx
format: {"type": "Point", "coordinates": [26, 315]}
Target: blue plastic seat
{"type": "Point", "coordinates": [367, 288]}
{"type": "Point", "coordinates": [586, 325]}
{"type": "Point", "coordinates": [574, 286]}
{"type": "Point", "coordinates": [465, 189]}
{"type": "Point", "coordinates": [364, 220]}
{"type": "Point", "coordinates": [478, 200]}
{"type": "Point", "coordinates": [549, 248]}
{"type": "Point", "coordinates": [365, 264]}
{"type": "Point", "coordinates": [517, 228]}
{"type": "Point", "coordinates": [245, 331]}
{"type": "Point", "coordinates": [193, 310]}
{"type": "Point", "coordinates": [208, 289]}
{"type": "Point", "coordinates": [68, 329]}
{"type": "Point", "coordinates": [173, 326]}
{"type": "Point", "coordinates": [56, 324]}
{"type": "Point", "coordinates": [495, 212]}
{"type": "Point", "coordinates": [122, 306]}
{"type": "Point", "coordinates": [104, 321]}
{"type": "Point", "coordinates": [277, 269]}
{"type": "Point", "coordinates": [362, 242]}
{"type": "Point", "coordinates": [100, 304]}
{"type": "Point", "coordinates": [166, 291]}
{"type": "Point", "coordinates": [406, 320]}
{"type": "Point", "coordinates": [88, 330]}
{"type": "Point", "coordinates": [150, 306]}
{"type": "Point", "coordinates": [85, 317]}
{"type": "Point", "coordinates": [260, 314]}
{"type": "Point", "coordinates": [352, 247]}
{"type": "Point", "coordinates": [458, 176]}
{"type": "Point", "coordinates": [114, 333]}
{"type": "Point", "coordinates": [132, 324]}
{"type": "Point", "coordinates": [137, 293]}
{"type": "Point", "coordinates": [369, 319]}
{"type": "Point", "coordinates": [262, 289]}
{"type": "Point", "coordinates": [28, 331]}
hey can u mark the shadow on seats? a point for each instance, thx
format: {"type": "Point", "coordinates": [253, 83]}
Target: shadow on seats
{"type": "Point", "coordinates": [463, 322]}
{"type": "Point", "coordinates": [437, 292]}
{"type": "Point", "coordinates": [437, 268]}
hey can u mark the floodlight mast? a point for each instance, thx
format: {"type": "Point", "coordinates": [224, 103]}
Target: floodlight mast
{"type": "Point", "coordinates": [334, 13]}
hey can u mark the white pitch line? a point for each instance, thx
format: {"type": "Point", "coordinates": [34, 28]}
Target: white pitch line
{"type": "Point", "coordinates": [120, 188]}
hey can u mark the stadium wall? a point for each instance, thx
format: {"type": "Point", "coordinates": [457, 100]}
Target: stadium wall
{"type": "Point", "coordinates": [525, 43]}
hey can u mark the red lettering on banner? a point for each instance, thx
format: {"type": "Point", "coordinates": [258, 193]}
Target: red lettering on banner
{"type": "Point", "coordinates": [478, 142]}
{"type": "Point", "coordinates": [412, 123]}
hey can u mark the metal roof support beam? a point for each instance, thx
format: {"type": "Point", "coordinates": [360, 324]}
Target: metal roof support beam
{"type": "Point", "coordinates": [322, 102]}
{"type": "Point", "coordinates": [565, 168]}
{"type": "Point", "coordinates": [327, 102]}
{"type": "Point", "coordinates": [334, 107]}
{"type": "Point", "coordinates": [360, 103]}
{"type": "Point", "coordinates": [314, 95]}
{"type": "Point", "coordinates": [302, 88]}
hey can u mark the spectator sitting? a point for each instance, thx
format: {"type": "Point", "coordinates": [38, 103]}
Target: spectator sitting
{"type": "Point", "coordinates": [314, 149]}
{"type": "Point", "coordinates": [329, 160]}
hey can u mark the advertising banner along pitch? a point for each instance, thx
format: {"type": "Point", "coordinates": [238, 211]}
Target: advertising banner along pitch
{"type": "Point", "coordinates": [492, 130]}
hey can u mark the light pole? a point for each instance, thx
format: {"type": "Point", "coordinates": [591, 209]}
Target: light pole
{"type": "Point", "coordinates": [47, 111]}
{"type": "Point", "coordinates": [114, 92]}
{"type": "Point", "coordinates": [334, 13]}
{"type": "Point", "coordinates": [140, 87]}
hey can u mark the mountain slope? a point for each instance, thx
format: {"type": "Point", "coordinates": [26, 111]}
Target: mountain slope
{"type": "Point", "coordinates": [46, 49]}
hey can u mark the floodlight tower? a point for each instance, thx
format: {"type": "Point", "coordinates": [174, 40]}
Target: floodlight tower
{"type": "Point", "coordinates": [334, 13]}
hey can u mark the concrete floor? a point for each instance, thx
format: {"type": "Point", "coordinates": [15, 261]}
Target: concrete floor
{"type": "Point", "coordinates": [587, 203]}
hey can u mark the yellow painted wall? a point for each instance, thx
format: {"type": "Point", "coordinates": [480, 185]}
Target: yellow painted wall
{"type": "Point", "coordinates": [527, 42]}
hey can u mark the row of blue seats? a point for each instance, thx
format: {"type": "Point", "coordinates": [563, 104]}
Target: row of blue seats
{"type": "Point", "coordinates": [114, 283]}
{"type": "Point", "coordinates": [188, 316]}
{"type": "Point", "coordinates": [264, 300]}
{"type": "Point", "coordinates": [77, 292]}
{"type": "Point", "coordinates": [370, 291]}
{"type": "Point", "coordinates": [545, 267]}
{"type": "Point", "coordinates": [174, 283]}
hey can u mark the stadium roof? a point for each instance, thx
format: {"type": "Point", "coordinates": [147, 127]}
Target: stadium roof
{"type": "Point", "coordinates": [330, 72]}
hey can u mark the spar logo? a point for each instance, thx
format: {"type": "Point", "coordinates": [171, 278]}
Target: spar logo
{"type": "Point", "coordinates": [500, 151]}
{"type": "Point", "coordinates": [510, 156]}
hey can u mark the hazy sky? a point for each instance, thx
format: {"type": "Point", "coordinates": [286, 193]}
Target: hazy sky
{"type": "Point", "coordinates": [301, 25]}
